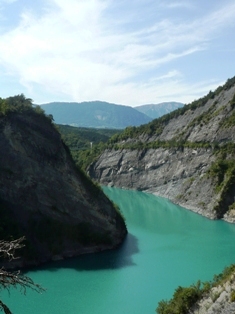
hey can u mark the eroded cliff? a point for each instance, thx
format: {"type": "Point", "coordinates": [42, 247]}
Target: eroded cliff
{"type": "Point", "coordinates": [186, 156]}
{"type": "Point", "coordinates": [45, 197]}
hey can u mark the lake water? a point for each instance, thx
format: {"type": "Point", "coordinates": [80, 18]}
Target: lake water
{"type": "Point", "coordinates": [167, 246]}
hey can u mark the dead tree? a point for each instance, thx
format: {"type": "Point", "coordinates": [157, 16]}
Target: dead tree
{"type": "Point", "coordinates": [14, 279]}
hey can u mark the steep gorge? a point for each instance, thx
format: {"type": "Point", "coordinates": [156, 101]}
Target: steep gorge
{"type": "Point", "coordinates": [186, 156]}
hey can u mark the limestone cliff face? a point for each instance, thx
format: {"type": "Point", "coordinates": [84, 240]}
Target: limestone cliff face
{"type": "Point", "coordinates": [179, 176]}
{"type": "Point", "coordinates": [54, 205]}
{"type": "Point", "coordinates": [172, 157]}
{"type": "Point", "coordinates": [218, 300]}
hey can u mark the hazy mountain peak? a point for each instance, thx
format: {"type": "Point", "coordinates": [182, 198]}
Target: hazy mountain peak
{"type": "Point", "coordinates": [157, 110]}
{"type": "Point", "coordinates": [96, 114]}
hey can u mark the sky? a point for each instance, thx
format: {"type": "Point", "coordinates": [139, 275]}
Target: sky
{"type": "Point", "coordinates": [129, 52]}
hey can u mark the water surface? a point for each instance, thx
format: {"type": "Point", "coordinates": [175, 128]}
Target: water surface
{"type": "Point", "coordinates": [167, 246]}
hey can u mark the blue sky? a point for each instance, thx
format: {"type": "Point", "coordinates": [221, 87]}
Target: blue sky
{"type": "Point", "coordinates": [128, 52]}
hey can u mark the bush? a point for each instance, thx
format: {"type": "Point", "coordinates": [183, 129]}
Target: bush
{"type": "Point", "coordinates": [181, 302]}
{"type": "Point", "coordinates": [232, 296]}
{"type": "Point", "coordinates": [184, 298]}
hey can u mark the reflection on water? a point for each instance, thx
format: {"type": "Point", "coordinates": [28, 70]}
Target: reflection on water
{"type": "Point", "coordinates": [121, 257]}
{"type": "Point", "coordinates": [113, 259]}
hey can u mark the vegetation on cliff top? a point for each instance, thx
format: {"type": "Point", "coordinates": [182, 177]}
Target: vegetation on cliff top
{"type": "Point", "coordinates": [20, 103]}
{"type": "Point", "coordinates": [186, 297]}
{"type": "Point", "coordinates": [131, 137]}
{"type": "Point", "coordinates": [156, 126]}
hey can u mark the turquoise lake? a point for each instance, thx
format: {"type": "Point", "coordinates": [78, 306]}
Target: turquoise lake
{"type": "Point", "coordinates": [167, 246]}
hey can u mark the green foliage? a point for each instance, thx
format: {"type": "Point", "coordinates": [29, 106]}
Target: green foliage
{"type": "Point", "coordinates": [131, 138]}
{"type": "Point", "coordinates": [181, 302]}
{"type": "Point", "coordinates": [232, 102]}
{"type": "Point", "coordinates": [20, 103]}
{"type": "Point", "coordinates": [223, 172]}
{"type": "Point", "coordinates": [83, 158]}
{"type": "Point", "coordinates": [39, 110]}
{"type": "Point", "coordinates": [185, 297]}
{"type": "Point", "coordinates": [173, 143]}
{"type": "Point", "coordinates": [232, 206]}
{"type": "Point", "coordinates": [223, 169]}
{"type": "Point", "coordinates": [229, 122]}
{"type": "Point", "coordinates": [3, 106]}
{"type": "Point", "coordinates": [229, 83]}
{"type": "Point", "coordinates": [77, 138]}
{"type": "Point", "coordinates": [156, 126]}
{"type": "Point", "coordinates": [219, 169]}
{"type": "Point", "coordinates": [85, 144]}
{"type": "Point", "coordinates": [232, 296]}
{"type": "Point", "coordinates": [224, 276]}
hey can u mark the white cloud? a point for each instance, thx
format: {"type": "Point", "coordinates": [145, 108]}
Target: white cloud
{"type": "Point", "coordinates": [72, 51]}
{"type": "Point", "coordinates": [179, 4]}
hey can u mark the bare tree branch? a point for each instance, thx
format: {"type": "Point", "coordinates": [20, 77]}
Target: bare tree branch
{"type": "Point", "coordinates": [7, 248]}
{"type": "Point", "coordinates": [14, 279]}
{"type": "Point", "coordinates": [4, 308]}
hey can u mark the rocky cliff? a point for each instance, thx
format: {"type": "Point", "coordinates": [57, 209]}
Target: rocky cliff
{"type": "Point", "coordinates": [214, 297]}
{"type": "Point", "coordinates": [218, 300]}
{"type": "Point", "coordinates": [44, 196]}
{"type": "Point", "coordinates": [186, 156]}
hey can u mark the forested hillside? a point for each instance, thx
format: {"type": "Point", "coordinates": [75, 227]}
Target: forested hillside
{"type": "Point", "coordinates": [81, 138]}
{"type": "Point", "coordinates": [85, 143]}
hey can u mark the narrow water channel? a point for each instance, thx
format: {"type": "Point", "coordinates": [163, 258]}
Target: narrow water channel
{"type": "Point", "coordinates": [167, 246]}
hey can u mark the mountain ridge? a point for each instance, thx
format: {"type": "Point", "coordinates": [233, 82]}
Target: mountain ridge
{"type": "Point", "coordinates": [157, 110]}
{"type": "Point", "coordinates": [98, 114]}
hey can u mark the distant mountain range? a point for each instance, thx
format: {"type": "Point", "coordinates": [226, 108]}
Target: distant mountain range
{"type": "Point", "coordinates": [95, 114]}
{"type": "Point", "coordinates": [157, 110]}
{"type": "Point", "coordinates": [100, 114]}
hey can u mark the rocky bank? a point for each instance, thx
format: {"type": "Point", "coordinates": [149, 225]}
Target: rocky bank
{"type": "Point", "coordinates": [176, 156]}
{"type": "Point", "coordinates": [219, 300]}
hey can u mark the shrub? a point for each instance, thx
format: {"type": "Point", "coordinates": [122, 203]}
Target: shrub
{"type": "Point", "coordinates": [181, 302]}
{"type": "Point", "coordinates": [184, 298]}
{"type": "Point", "coordinates": [232, 296]}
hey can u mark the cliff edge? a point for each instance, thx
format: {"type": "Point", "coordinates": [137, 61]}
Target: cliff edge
{"type": "Point", "coordinates": [43, 196]}
{"type": "Point", "coordinates": [186, 156]}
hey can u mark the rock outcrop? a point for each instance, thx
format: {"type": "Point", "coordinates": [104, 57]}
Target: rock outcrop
{"type": "Point", "coordinates": [219, 300]}
{"type": "Point", "coordinates": [46, 198]}
{"type": "Point", "coordinates": [186, 156]}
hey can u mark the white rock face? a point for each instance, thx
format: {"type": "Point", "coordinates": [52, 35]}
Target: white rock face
{"type": "Point", "coordinates": [218, 300]}
{"type": "Point", "coordinates": [178, 173]}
